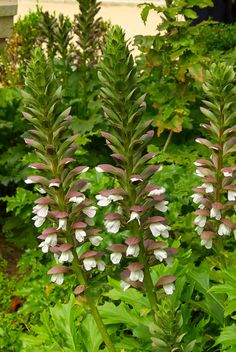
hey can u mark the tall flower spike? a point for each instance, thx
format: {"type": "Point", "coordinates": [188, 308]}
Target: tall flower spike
{"type": "Point", "coordinates": [216, 197]}
{"type": "Point", "coordinates": [140, 201]}
{"type": "Point", "coordinates": [64, 204]}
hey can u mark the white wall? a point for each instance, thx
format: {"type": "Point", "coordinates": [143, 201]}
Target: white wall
{"type": "Point", "coordinates": [122, 12]}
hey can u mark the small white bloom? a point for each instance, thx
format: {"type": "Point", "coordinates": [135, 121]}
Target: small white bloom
{"type": "Point", "coordinates": [158, 229]}
{"type": "Point", "coordinates": [62, 224]}
{"type": "Point", "coordinates": [44, 246]}
{"type": "Point", "coordinates": [156, 192]}
{"type": "Point", "coordinates": [124, 285]}
{"type": "Point", "coordinates": [197, 198]}
{"type": "Point", "coordinates": [57, 278]}
{"type": "Point", "coordinates": [215, 213]}
{"type": "Point", "coordinates": [207, 243]}
{"type": "Point", "coordinates": [28, 181]}
{"type": "Point", "coordinates": [160, 254]}
{"type": "Point", "coordinates": [227, 173]}
{"type": "Point", "coordinates": [99, 169]}
{"type": "Point", "coordinates": [201, 206]}
{"type": "Point", "coordinates": [90, 211]}
{"type": "Point", "coordinates": [133, 250]}
{"type": "Point", "coordinates": [51, 240]}
{"type": "Point", "coordinates": [66, 256]}
{"type": "Point", "coordinates": [80, 235]}
{"type": "Point", "coordinates": [89, 263]}
{"type": "Point", "coordinates": [41, 210]}
{"type": "Point", "coordinates": [135, 179]}
{"type": "Point", "coordinates": [208, 187]}
{"type": "Point", "coordinates": [54, 184]}
{"type": "Point", "coordinates": [134, 215]}
{"type": "Point", "coordinates": [137, 275]}
{"type": "Point", "coordinates": [199, 173]}
{"type": "Point", "coordinates": [169, 288]}
{"type": "Point", "coordinates": [224, 230]}
{"type": "Point", "coordinates": [41, 190]}
{"type": "Point", "coordinates": [101, 265]}
{"type": "Point", "coordinates": [38, 220]}
{"type": "Point", "coordinates": [162, 206]}
{"type": "Point", "coordinates": [200, 220]}
{"type": "Point", "coordinates": [102, 200]}
{"type": "Point", "coordinates": [231, 195]}
{"type": "Point", "coordinates": [116, 257]}
{"type": "Point", "coordinates": [115, 197]}
{"type": "Point", "coordinates": [77, 199]}
{"type": "Point", "coordinates": [95, 240]}
{"type": "Point", "coordinates": [112, 226]}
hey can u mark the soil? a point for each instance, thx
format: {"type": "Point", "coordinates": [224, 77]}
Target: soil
{"type": "Point", "coordinates": [11, 254]}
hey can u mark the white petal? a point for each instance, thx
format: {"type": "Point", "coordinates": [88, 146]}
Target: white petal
{"type": "Point", "coordinates": [136, 275]}
{"type": "Point", "coordinates": [57, 278]}
{"type": "Point", "coordinates": [90, 211]}
{"type": "Point", "coordinates": [133, 250]}
{"type": "Point", "coordinates": [89, 263]}
{"type": "Point", "coordinates": [101, 265]}
{"type": "Point", "coordinates": [160, 254]}
{"type": "Point", "coordinates": [116, 257]}
{"type": "Point", "coordinates": [134, 216]}
{"type": "Point", "coordinates": [38, 220]}
{"type": "Point", "coordinates": [112, 226]}
{"type": "Point", "coordinates": [124, 285]}
{"type": "Point", "coordinates": [80, 235]}
{"type": "Point", "coordinates": [169, 288]}
{"type": "Point", "coordinates": [95, 240]}
{"type": "Point", "coordinates": [103, 201]}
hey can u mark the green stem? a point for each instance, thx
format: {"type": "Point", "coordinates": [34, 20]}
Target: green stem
{"type": "Point", "coordinates": [94, 311]}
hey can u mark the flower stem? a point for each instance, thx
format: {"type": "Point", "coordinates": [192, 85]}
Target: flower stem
{"type": "Point", "coordinates": [90, 301]}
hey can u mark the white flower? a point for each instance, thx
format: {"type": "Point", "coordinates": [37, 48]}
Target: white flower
{"type": "Point", "coordinates": [102, 200]}
{"type": "Point", "coordinates": [215, 213]}
{"type": "Point", "coordinates": [133, 249]}
{"type": "Point", "coordinates": [162, 206]}
{"type": "Point", "coordinates": [90, 211]}
{"type": "Point", "coordinates": [51, 240]}
{"type": "Point", "coordinates": [89, 263]}
{"type": "Point", "coordinates": [62, 224]}
{"type": "Point", "coordinates": [66, 256]}
{"type": "Point", "coordinates": [134, 215]}
{"type": "Point", "coordinates": [28, 181]}
{"type": "Point", "coordinates": [41, 210]}
{"type": "Point", "coordinates": [41, 190]}
{"type": "Point", "coordinates": [158, 229]}
{"type": "Point", "coordinates": [228, 173]}
{"type": "Point", "coordinates": [99, 169]}
{"type": "Point", "coordinates": [231, 195]}
{"type": "Point", "coordinates": [160, 254]}
{"type": "Point", "coordinates": [38, 220]}
{"type": "Point", "coordinates": [197, 198]}
{"type": "Point", "coordinates": [199, 173]}
{"type": "Point", "coordinates": [57, 278]}
{"type": "Point", "coordinates": [135, 179]}
{"type": "Point", "coordinates": [54, 184]}
{"type": "Point", "coordinates": [101, 265]}
{"type": "Point", "coordinates": [116, 257]}
{"type": "Point", "coordinates": [124, 285]}
{"type": "Point", "coordinates": [77, 199]}
{"type": "Point", "coordinates": [169, 288]}
{"type": "Point", "coordinates": [208, 187]}
{"type": "Point", "coordinates": [224, 230]}
{"type": "Point", "coordinates": [207, 243]}
{"type": "Point", "coordinates": [112, 226]}
{"type": "Point", "coordinates": [136, 275]}
{"type": "Point", "coordinates": [156, 191]}
{"type": "Point", "coordinates": [200, 220]}
{"type": "Point", "coordinates": [95, 240]}
{"type": "Point", "coordinates": [80, 235]}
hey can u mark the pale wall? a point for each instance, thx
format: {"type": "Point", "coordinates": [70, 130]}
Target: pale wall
{"type": "Point", "coordinates": [124, 13]}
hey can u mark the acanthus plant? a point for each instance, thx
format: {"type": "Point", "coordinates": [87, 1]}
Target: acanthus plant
{"type": "Point", "coordinates": [137, 205]}
{"type": "Point", "coordinates": [216, 197]}
{"type": "Point", "coordinates": [63, 209]}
